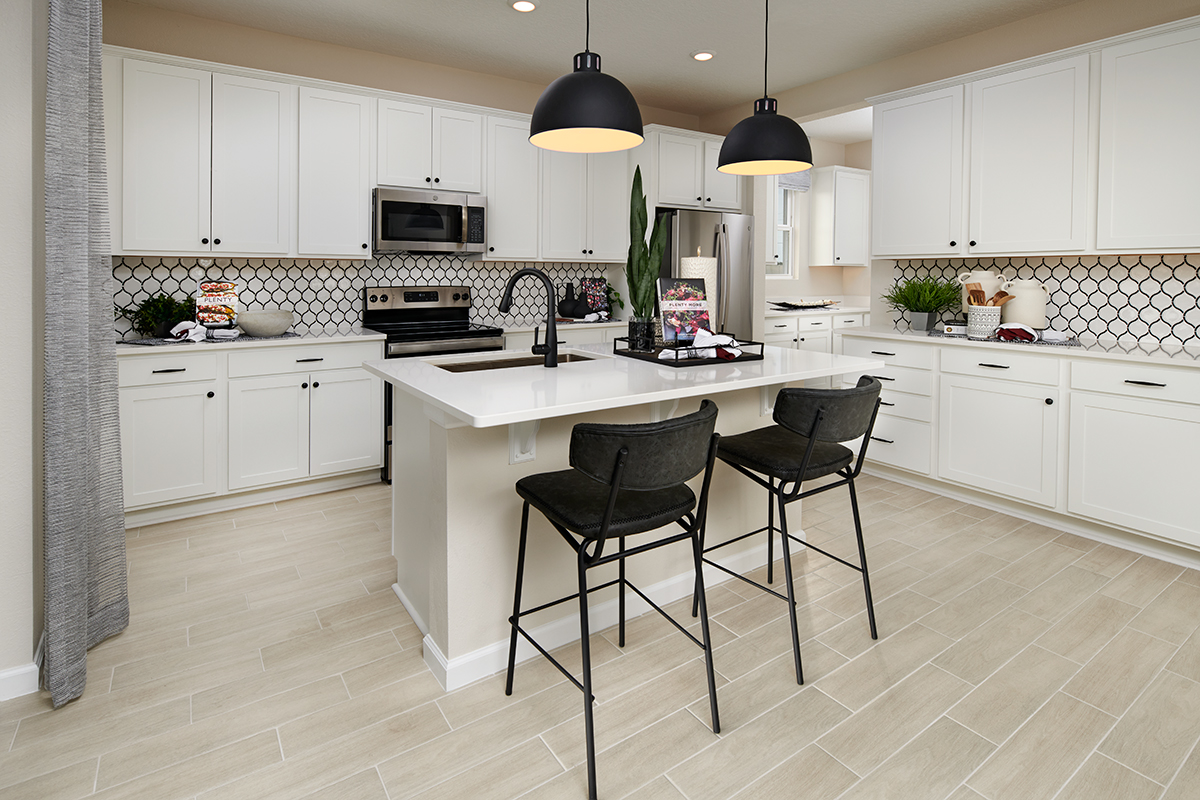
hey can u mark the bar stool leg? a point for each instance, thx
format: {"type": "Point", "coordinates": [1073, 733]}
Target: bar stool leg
{"type": "Point", "coordinates": [516, 617]}
{"type": "Point", "coordinates": [586, 653]}
{"type": "Point", "coordinates": [697, 557]}
{"type": "Point", "coordinates": [771, 533]}
{"type": "Point", "coordinates": [621, 595]}
{"type": "Point", "coordinates": [791, 598]}
{"type": "Point", "coordinates": [862, 555]}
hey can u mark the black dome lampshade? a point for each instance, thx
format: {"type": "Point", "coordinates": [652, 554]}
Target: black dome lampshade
{"type": "Point", "coordinates": [586, 111]}
{"type": "Point", "coordinates": [766, 143]}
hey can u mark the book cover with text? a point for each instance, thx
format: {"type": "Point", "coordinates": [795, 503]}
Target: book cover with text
{"type": "Point", "coordinates": [684, 308]}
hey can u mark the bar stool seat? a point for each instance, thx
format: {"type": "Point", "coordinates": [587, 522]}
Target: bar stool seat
{"type": "Point", "coordinates": [777, 451]}
{"type": "Point", "coordinates": [577, 502]}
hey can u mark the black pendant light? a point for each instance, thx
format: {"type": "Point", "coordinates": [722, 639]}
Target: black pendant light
{"type": "Point", "coordinates": [586, 111]}
{"type": "Point", "coordinates": [766, 143]}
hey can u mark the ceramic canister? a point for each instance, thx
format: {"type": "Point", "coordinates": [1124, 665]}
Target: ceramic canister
{"type": "Point", "coordinates": [989, 280]}
{"type": "Point", "coordinates": [1029, 305]}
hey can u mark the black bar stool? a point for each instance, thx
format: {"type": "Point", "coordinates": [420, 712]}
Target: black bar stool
{"type": "Point", "coordinates": [625, 480]}
{"type": "Point", "coordinates": [804, 445]}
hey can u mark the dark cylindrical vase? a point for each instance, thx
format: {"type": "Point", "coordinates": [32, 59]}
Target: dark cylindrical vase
{"type": "Point", "coordinates": [641, 335]}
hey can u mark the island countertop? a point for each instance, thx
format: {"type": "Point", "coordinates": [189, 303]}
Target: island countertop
{"type": "Point", "coordinates": [487, 398]}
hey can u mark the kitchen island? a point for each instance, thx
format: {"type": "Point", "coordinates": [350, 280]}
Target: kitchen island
{"type": "Point", "coordinates": [463, 438]}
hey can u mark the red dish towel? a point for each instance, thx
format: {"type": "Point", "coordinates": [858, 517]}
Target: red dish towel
{"type": "Point", "coordinates": [1015, 335]}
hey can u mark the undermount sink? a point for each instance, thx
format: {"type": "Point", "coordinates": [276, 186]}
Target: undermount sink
{"type": "Point", "coordinates": [507, 363]}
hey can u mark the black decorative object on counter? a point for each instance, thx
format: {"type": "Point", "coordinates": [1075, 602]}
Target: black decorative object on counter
{"type": "Point", "coordinates": [653, 354]}
{"type": "Point", "coordinates": [641, 335]}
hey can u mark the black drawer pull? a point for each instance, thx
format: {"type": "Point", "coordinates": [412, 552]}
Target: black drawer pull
{"type": "Point", "coordinates": [881, 353]}
{"type": "Point", "coordinates": [162, 371]}
{"type": "Point", "coordinates": [885, 441]}
{"type": "Point", "coordinates": [882, 378]}
{"type": "Point", "coordinates": [816, 323]}
{"type": "Point", "coordinates": [993, 366]}
{"type": "Point", "coordinates": [307, 360]}
{"type": "Point", "coordinates": [886, 403]}
{"type": "Point", "coordinates": [1148, 383]}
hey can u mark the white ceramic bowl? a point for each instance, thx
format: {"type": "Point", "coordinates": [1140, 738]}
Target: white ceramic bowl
{"type": "Point", "coordinates": [265, 321]}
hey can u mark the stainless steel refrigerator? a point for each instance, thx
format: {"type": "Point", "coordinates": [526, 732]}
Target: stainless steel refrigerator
{"type": "Point", "coordinates": [729, 238]}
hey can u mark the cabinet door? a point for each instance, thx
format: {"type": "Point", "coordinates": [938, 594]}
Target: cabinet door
{"type": "Point", "coordinates": [608, 206]}
{"type": "Point", "coordinates": [512, 190]}
{"type": "Point", "coordinates": [564, 206]}
{"type": "Point", "coordinates": [680, 177]}
{"type": "Point", "coordinates": [335, 185]}
{"type": "Point", "coordinates": [999, 436]}
{"type": "Point", "coordinates": [457, 151]}
{"type": "Point", "coordinates": [166, 157]}
{"type": "Point", "coordinates": [268, 430]}
{"type": "Point", "coordinates": [851, 207]}
{"type": "Point", "coordinates": [1029, 146]}
{"type": "Point", "coordinates": [917, 167]}
{"type": "Point", "coordinates": [405, 145]}
{"type": "Point", "coordinates": [169, 442]}
{"type": "Point", "coordinates": [253, 152]}
{"type": "Point", "coordinates": [1149, 162]}
{"type": "Point", "coordinates": [1132, 463]}
{"type": "Point", "coordinates": [721, 191]}
{"type": "Point", "coordinates": [815, 341]}
{"type": "Point", "coordinates": [346, 421]}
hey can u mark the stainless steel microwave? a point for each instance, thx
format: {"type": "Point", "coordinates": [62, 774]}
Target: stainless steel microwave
{"type": "Point", "coordinates": [417, 221]}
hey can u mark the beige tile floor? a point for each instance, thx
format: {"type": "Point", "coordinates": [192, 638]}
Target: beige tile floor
{"type": "Point", "coordinates": [268, 658]}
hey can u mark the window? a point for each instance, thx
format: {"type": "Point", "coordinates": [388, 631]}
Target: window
{"type": "Point", "coordinates": [779, 263]}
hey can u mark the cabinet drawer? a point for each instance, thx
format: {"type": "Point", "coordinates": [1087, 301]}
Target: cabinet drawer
{"type": "Point", "coordinates": [282, 360]}
{"type": "Point", "coordinates": [901, 443]}
{"type": "Point", "coordinates": [847, 320]}
{"type": "Point", "coordinates": [901, 354]}
{"type": "Point", "coordinates": [898, 379]}
{"type": "Point", "coordinates": [809, 324]}
{"type": "Point", "coordinates": [911, 406]}
{"type": "Point", "coordinates": [1137, 380]}
{"type": "Point", "coordinates": [172, 368]}
{"type": "Point", "coordinates": [987, 362]}
{"type": "Point", "coordinates": [780, 325]}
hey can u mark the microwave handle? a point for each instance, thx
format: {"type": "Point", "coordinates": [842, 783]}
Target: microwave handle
{"type": "Point", "coordinates": [462, 237]}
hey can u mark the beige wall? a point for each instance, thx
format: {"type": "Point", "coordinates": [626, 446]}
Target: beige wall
{"type": "Point", "coordinates": [20, 98]}
{"type": "Point", "coordinates": [156, 30]}
{"type": "Point", "coordinates": [1072, 25]}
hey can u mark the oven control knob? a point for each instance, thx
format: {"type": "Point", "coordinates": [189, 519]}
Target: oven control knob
{"type": "Point", "coordinates": [374, 298]}
{"type": "Point", "coordinates": [383, 298]}
{"type": "Point", "coordinates": [466, 296]}
{"type": "Point", "coordinates": [457, 296]}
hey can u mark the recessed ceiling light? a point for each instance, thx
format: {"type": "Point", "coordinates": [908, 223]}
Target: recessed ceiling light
{"type": "Point", "coordinates": [523, 5]}
{"type": "Point", "coordinates": [702, 55]}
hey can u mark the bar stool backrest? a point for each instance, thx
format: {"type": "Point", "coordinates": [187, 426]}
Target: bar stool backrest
{"type": "Point", "coordinates": [660, 454]}
{"type": "Point", "coordinates": [847, 412]}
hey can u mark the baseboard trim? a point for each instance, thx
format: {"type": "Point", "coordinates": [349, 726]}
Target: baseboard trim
{"type": "Point", "coordinates": [454, 673]}
{"type": "Point", "coordinates": [18, 681]}
{"type": "Point", "coordinates": [251, 497]}
{"type": "Point", "coordinates": [411, 609]}
{"type": "Point", "coordinates": [1138, 543]}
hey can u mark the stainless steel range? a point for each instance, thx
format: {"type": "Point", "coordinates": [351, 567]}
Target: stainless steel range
{"type": "Point", "coordinates": [423, 321]}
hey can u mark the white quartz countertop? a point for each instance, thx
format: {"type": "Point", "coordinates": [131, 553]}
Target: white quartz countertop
{"type": "Point", "coordinates": [838, 309]}
{"type": "Point", "coordinates": [522, 394]}
{"type": "Point", "coordinates": [1144, 352]}
{"type": "Point", "coordinates": [319, 336]}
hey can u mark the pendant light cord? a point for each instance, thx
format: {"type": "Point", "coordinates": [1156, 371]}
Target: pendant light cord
{"type": "Point", "coordinates": [587, 36]}
{"type": "Point", "coordinates": [766, 40]}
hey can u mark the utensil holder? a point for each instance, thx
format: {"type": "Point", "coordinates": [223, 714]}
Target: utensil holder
{"type": "Point", "coordinates": [982, 321]}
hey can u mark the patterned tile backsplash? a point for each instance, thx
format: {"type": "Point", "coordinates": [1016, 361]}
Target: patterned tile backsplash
{"type": "Point", "coordinates": [328, 294]}
{"type": "Point", "coordinates": [1148, 298]}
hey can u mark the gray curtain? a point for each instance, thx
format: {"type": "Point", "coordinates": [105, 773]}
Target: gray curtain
{"type": "Point", "coordinates": [86, 599]}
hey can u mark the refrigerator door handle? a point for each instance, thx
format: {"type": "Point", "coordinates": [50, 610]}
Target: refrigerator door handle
{"type": "Point", "coordinates": [722, 251]}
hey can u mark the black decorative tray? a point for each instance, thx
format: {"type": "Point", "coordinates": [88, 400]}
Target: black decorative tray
{"type": "Point", "coordinates": [783, 305]}
{"type": "Point", "coordinates": [751, 351]}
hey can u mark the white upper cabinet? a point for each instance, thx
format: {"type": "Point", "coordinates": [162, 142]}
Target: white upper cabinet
{"type": "Point", "coordinates": [253, 152]}
{"type": "Point", "coordinates": [166, 178]}
{"type": "Point", "coordinates": [426, 147]}
{"type": "Point", "coordinates": [585, 206]}
{"type": "Point", "coordinates": [839, 209]}
{"type": "Point", "coordinates": [1029, 146]}
{"type": "Point", "coordinates": [1149, 162]}
{"type": "Point", "coordinates": [720, 190]}
{"type": "Point", "coordinates": [512, 190]}
{"type": "Point", "coordinates": [687, 175]}
{"type": "Point", "coordinates": [917, 165]}
{"type": "Point", "coordinates": [335, 186]}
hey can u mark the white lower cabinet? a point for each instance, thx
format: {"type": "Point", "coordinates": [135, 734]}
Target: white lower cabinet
{"type": "Point", "coordinates": [339, 441]}
{"type": "Point", "coordinates": [999, 436]}
{"type": "Point", "coordinates": [1132, 463]}
{"type": "Point", "coordinates": [169, 441]}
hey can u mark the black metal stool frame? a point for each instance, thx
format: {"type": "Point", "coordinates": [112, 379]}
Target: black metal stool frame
{"type": "Point", "coordinates": [777, 493]}
{"type": "Point", "coordinates": [693, 525]}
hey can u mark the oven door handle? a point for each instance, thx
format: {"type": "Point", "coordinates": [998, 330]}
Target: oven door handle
{"type": "Point", "coordinates": [478, 344]}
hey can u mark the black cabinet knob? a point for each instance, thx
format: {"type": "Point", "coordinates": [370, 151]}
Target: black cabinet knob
{"type": "Point", "coordinates": [304, 385]}
{"type": "Point", "coordinates": [954, 244]}
{"type": "Point", "coordinates": [427, 180]}
{"type": "Point", "coordinates": [837, 258]}
{"type": "Point", "coordinates": [584, 252]}
{"type": "Point", "coordinates": [971, 243]}
{"type": "Point", "coordinates": [364, 245]}
{"type": "Point", "coordinates": [491, 249]}
{"type": "Point", "coordinates": [589, 252]}
{"type": "Point", "coordinates": [316, 384]}
{"type": "Point", "coordinates": [1049, 401]}
{"type": "Point", "coordinates": [708, 199]}
{"type": "Point", "coordinates": [216, 241]}
{"type": "Point", "coordinates": [699, 198]}
{"type": "Point", "coordinates": [212, 394]}
{"type": "Point", "coordinates": [437, 180]}
{"type": "Point", "coordinates": [204, 240]}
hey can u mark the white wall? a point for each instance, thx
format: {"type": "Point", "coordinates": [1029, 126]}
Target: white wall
{"type": "Point", "coordinates": [20, 188]}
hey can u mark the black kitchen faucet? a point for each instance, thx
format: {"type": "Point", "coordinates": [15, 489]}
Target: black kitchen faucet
{"type": "Point", "coordinates": [550, 348]}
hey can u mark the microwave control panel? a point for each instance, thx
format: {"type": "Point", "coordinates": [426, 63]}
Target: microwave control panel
{"type": "Point", "coordinates": [474, 225]}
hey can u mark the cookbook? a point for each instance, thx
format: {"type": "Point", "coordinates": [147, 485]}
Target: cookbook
{"type": "Point", "coordinates": [216, 304]}
{"type": "Point", "coordinates": [684, 308]}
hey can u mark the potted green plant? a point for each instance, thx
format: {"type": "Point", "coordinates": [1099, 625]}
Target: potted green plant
{"type": "Point", "coordinates": [641, 267]}
{"type": "Point", "coordinates": [158, 314]}
{"type": "Point", "coordinates": [924, 299]}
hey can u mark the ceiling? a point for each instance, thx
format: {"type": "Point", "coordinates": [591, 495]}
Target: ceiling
{"type": "Point", "coordinates": [647, 44]}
